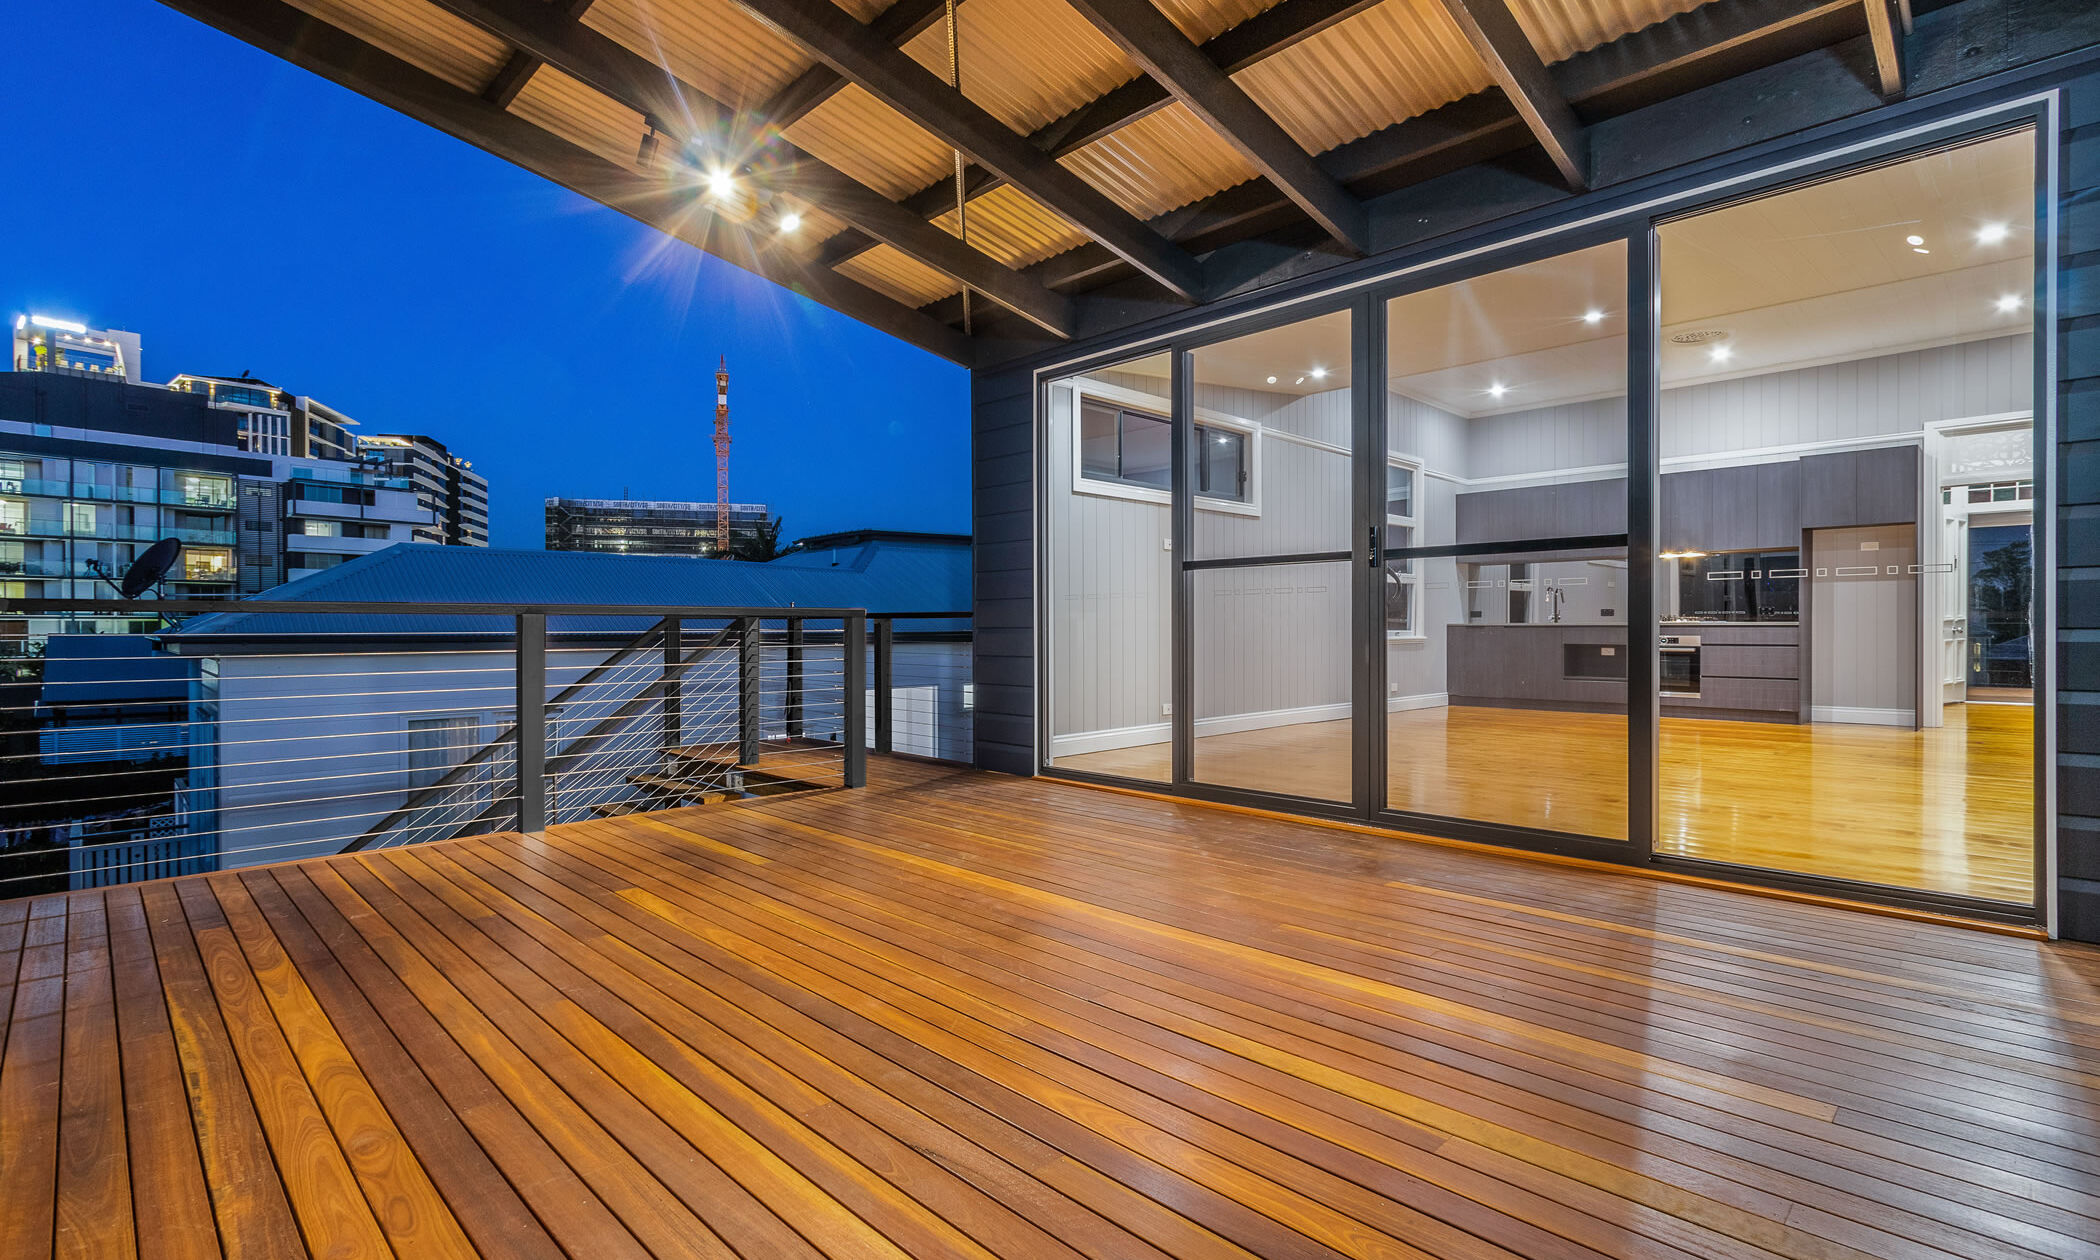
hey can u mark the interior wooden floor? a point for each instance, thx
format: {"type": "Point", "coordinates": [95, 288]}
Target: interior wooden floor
{"type": "Point", "coordinates": [1947, 810]}
{"type": "Point", "coordinates": [955, 1014]}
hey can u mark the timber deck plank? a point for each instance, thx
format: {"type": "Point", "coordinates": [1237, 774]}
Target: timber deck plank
{"type": "Point", "coordinates": [956, 1014]}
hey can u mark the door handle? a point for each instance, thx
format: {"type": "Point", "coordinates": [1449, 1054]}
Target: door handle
{"type": "Point", "coordinates": [1374, 549]}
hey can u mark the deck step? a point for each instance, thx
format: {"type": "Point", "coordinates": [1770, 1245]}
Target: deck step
{"type": "Point", "coordinates": [683, 788]}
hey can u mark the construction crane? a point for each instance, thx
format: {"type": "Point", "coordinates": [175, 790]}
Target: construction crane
{"type": "Point", "coordinates": [722, 457]}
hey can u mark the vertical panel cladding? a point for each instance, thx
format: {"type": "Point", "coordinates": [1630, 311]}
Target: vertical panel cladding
{"type": "Point", "coordinates": [1002, 661]}
{"type": "Point", "coordinates": [2078, 521]}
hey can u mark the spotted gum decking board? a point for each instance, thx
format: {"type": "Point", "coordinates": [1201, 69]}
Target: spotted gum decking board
{"type": "Point", "coordinates": [955, 1014]}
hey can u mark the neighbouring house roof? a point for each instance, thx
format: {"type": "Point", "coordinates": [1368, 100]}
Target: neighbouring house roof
{"type": "Point", "coordinates": [880, 571]}
{"type": "Point", "coordinates": [105, 672]}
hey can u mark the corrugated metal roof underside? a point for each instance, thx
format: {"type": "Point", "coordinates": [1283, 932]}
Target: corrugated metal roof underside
{"type": "Point", "coordinates": [1386, 64]}
{"type": "Point", "coordinates": [1161, 162]}
{"type": "Point", "coordinates": [1015, 228]}
{"type": "Point", "coordinates": [1202, 19]}
{"type": "Point", "coordinates": [902, 277]}
{"type": "Point", "coordinates": [1561, 28]}
{"type": "Point", "coordinates": [873, 143]}
{"type": "Point", "coordinates": [583, 116]}
{"type": "Point", "coordinates": [1027, 62]}
{"type": "Point", "coordinates": [712, 44]}
{"type": "Point", "coordinates": [420, 33]}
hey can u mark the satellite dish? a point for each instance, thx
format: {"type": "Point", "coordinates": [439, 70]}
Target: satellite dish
{"type": "Point", "coordinates": [150, 569]}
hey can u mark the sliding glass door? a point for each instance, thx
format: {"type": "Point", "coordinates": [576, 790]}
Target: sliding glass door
{"type": "Point", "coordinates": [1268, 510]}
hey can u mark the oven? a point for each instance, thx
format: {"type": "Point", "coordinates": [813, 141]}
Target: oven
{"type": "Point", "coordinates": [1679, 675]}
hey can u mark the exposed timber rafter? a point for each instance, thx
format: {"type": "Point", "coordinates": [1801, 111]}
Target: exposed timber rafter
{"type": "Point", "coordinates": [543, 32]}
{"type": "Point", "coordinates": [897, 25]}
{"type": "Point", "coordinates": [1516, 67]}
{"type": "Point", "coordinates": [1173, 61]}
{"type": "Point", "coordinates": [856, 52]}
{"type": "Point", "coordinates": [1885, 27]}
{"type": "Point", "coordinates": [292, 34]}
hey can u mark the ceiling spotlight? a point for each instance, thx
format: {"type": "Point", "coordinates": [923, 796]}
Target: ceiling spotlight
{"type": "Point", "coordinates": [721, 183]}
{"type": "Point", "coordinates": [1913, 240]}
{"type": "Point", "coordinates": [790, 221]}
{"type": "Point", "coordinates": [1593, 317]}
{"type": "Point", "coordinates": [1497, 389]}
{"type": "Point", "coordinates": [2008, 304]}
{"type": "Point", "coordinates": [1720, 354]}
{"type": "Point", "coordinates": [1272, 380]}
{"type": "Point", "coordinates": [1992, 233]}
{"type": "Point", "coordinates": [1319, 374]}
{"type": "Point", "coordinates": [1299, 381]}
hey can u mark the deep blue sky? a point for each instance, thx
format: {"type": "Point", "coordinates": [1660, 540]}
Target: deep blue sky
{"type": "Point", "coordinates": [242, 214]}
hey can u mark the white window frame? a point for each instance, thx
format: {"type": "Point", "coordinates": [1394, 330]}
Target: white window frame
{"type": "Point", "coordinates": [1412, 579]}
{"type": "Point", "coordinates": [1115, 395]}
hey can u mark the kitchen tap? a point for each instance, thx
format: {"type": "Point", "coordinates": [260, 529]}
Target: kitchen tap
{"type": "Point", "coordinates": [1556, 596]}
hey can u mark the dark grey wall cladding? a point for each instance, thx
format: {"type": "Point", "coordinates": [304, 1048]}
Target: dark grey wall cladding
{"type": "Point", "coordinates": [2078, 516]}
{"type": "Point", "coordinates": [1002, 495]}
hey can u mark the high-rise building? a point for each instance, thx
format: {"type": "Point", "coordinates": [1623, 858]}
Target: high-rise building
{"type": "Point", "coordinates": [270, 421]}
{"type": "Point", "coordinates": [649, 527]}
{"type": "Point", "coordinates": [46, 343]}
{"type": "Point", "coordinates": [446, 484]}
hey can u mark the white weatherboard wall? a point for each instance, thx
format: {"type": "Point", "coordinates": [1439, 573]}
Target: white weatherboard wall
{"type": "Point", "coordinates": [1272, 644]}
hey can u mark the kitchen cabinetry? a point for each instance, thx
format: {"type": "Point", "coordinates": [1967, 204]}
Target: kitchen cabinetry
{"type": "Point", "coordinates": [1851, 488]}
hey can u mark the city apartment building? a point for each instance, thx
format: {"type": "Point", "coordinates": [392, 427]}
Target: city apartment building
{"type": "Point", "coordinates": [651, 527]}
{"type": "Point", "coordinates": [444, 483]}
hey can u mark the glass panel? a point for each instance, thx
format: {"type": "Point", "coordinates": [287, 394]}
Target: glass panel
{"type": "Point", "coordinates": [1506, 672]}
{"type": "Point", "coordinates": [1511, 388]}
{"type": "Point", "coordinates": [1847, 390]}
{"type": "Point", "coordinates": [1109, 611]}
{"type": "Point", "coordinates": [1286, 391]}
{"type": "Point", "coordinates": [1271, 664]}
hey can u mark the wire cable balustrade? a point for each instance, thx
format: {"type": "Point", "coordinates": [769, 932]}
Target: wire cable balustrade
{"type": "Point", "coordinates": [141, 739]}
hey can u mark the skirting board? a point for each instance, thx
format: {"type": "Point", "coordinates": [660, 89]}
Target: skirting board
{"type": "Point", "coordinates": [1863, 717]}
{"type": "Point", "coordinates": [1161, 732]}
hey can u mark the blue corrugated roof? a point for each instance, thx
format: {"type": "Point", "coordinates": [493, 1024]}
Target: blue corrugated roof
{"type": "Point", "coordinates": [881, 572]}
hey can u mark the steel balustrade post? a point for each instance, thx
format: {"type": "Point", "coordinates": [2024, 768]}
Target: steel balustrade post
{"type": "Point", "coordinates": [532, 721]}
{"type": "Point", "coordinates": [855, 736]}
{"type": "Point", "coordinates": [747, 690]}
{"type": "Point", "coordinates": [794, 678]}
{"type": "Point", "coordinates": [885, 680]}
{"type": "Point", "coordinates": [674, 683]}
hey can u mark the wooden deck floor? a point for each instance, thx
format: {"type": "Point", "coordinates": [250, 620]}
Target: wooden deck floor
{"type": "Point", "coordinates": [961, 1015]}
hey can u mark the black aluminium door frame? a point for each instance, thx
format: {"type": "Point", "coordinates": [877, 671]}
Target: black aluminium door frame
{"type": "Point", "coordinates": [1364, 368]}
{"type": "Point", "coordinates": [1643, 306]}
{"type": "Point", "coordinates": [1728, 181]}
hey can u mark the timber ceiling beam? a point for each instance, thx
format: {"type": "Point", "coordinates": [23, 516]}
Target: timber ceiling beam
{"type": "Point", "coordinates": [1173, 61]}
{"type": "Point", "coordinates": [544, 33]}
{"type": "Point", "coordinates": [336, 55]}
{"type": "Point", "coordinates": [1885, 32]}
{"type": "Point", "coordinates": [1515, 66]}
{"type": "Point", "coordinates": [856, 52]}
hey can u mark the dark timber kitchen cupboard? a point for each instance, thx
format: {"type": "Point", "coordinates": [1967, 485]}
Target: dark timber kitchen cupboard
{"type": "Point", "coordinates": [1649, 166]}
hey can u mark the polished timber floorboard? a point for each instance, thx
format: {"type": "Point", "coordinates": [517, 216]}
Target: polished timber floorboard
{"type": "Point", "coordinates": [955, 1014]}
{"type": "Point", "coordinates": [1947, 810]}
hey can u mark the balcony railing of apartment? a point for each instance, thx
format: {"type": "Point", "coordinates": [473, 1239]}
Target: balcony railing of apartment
{"type": "Point", "coordinates": [257, 731]}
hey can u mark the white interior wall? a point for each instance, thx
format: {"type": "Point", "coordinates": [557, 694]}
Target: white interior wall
{"type": "Point", "coordinates": [1259, 649]}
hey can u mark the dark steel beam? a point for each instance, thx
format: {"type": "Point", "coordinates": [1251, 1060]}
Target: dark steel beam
{"type": "Point", "coordinates": [511, 78]}
{"type": "Point", "coordinates": [1885, 32]}
{"type": "Point", "coordinates": [1258, 38]}
{"type": "Point", "coordinates": [687, 113]}
{"type": "Point", "coordinates": [1515, 65]}
{"type": "Point", "coordinates": [1714, 42]}
{"type": "Point", "coordinates": [1173, 61]}
{"type": "Point", "coordinates": [856, 52]}
{"type": "Point", "coordinates": [897, 25]}
{"type": "Point", "coordinates": [335, 54]}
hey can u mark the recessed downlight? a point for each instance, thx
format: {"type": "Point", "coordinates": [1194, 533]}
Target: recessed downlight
{"type": "Point", "coordinates": [721, 183]}
{"type": "Point", "coordinates": [790, 221]}
{"type": "Point", "coordinates": [1920, 250]}
{"type": "Point", "coordinates": [2009, 303]}
{"type": "Point", "coordinates": [1720, 353]}
{"type": "Point", "coordinates": [1593, 317]}
{"type": "Point", "coordinates": [1913, 240]}
{"type": "Point", "coordinates": [1992, 233]}
{"type": "Point", "coordinates": [1497, 390]}
{"type": "Point", "coordinates": [1319, 374]}
{"type": "Point", "coordinates": [1272, 380]}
